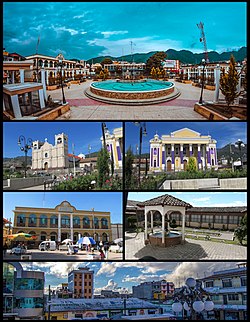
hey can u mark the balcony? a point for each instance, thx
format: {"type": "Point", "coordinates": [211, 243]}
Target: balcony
{"type": "Point", "coordinates": [76, 226]}
{"type": "Point", "coordinates": [85, 226]}
{"type": "Point", "coordinates": [104, 227]}
{"type": "Point", "coordinates": [54, 225]}
{"type": "Point", "coordinates": [65, 226]}
{"type": "Point", "coordinates": [43, 225]}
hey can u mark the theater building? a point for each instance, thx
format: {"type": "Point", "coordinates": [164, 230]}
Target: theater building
{"type": "Point", "coordinates": [171, 152]}
{"type": "Point", "coordinates": [62, 222]}
{"type": "Point", "coordinates": [46, 156]}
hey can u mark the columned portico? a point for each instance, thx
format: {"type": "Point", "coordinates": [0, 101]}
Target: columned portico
{"type": "Point", "coordinates": [172, 152]}
{"type": "Point", "coordinates": [164, 205]}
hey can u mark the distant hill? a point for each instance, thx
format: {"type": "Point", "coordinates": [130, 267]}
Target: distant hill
{"type": "Point", "coordinates": [184, 56]}
{"type": "Point", "coordinates": [16, 160]}
{"type": "Point", "coordinates": [225, 151]}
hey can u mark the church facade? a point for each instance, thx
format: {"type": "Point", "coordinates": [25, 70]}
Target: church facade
{"type": "Point", "coordinates": [171, 152]}
{"type": "Point", "coordinates": [48, 156]}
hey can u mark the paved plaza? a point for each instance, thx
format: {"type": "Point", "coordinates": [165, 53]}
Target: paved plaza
{"type": "Point", "coordinates": [84, 108]}
{"type": "Point", "coordinates": [62, 255]}
{"type": "Point", "coordinates": [191, 250]}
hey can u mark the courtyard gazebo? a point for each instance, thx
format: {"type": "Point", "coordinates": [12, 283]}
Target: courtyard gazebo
{"type": "Point", "coordinates": [165, 205]}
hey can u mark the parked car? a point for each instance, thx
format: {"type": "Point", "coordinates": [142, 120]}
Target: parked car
{"type": "Point", "coordinates": [18, 250]}
{"type": "Point", "coordinates": [47, 245]}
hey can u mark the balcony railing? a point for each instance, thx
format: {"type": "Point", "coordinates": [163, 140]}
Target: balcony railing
{"type": "Point", "coordinates": [43, 225]}
{"type": "Point", "coordinates": [65, 225]}
{"type": "Point", "coordinates": [85, 226]}
{"type": "Point", "coordinates": [54, 225]}
{"type": "Point", "coordinates": [76, 226]}
{"type": "Point", "coordinates": [104, 227]}
{"type": "Point", "coordinates": [32, 224]}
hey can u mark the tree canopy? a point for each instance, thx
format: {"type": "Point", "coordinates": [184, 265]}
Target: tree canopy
{"type": "Point", "coordinates": [155, 61]}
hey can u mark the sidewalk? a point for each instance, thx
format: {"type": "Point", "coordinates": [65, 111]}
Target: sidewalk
{"type": "Point", "coordinates": [83, 108]}
{"type": "Point", "coordinates": [191, 250]}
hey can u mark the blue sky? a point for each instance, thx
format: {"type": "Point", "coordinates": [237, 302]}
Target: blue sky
{"type": "Point", "coordinates": [102, 201]}
{"type": "Point", "coordinates": [198, 199]}
{"type": "Point", "coordinates": [223, 132]}
{"type": "Point", "coordinates": [88, 29]}
{"type": "Point", "coordinates": [82, 134]}
{"type": "Point", "coordinates": [121, 276]}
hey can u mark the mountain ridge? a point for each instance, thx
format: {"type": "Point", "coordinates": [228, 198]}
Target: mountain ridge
{"type": "Point", "coordinates": [184, 56]}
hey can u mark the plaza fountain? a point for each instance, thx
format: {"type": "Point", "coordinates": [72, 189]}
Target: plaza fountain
{"type": "Point", "coordinates": [132, 92]}
{"type": "Point", "coordinates": [171, 238]}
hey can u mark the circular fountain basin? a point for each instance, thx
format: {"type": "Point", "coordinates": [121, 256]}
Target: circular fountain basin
{"type": "Point", "coordinates": [138, 92]}
{"type": "Point", "coordinates": [173, 238]}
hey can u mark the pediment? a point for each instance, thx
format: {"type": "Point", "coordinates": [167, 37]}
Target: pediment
{"type": "Point", "coordinates": [185, 133]}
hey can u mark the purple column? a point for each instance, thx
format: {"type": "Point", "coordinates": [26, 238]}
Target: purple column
{"type": "Point", "coordinates": [151, 160]}
{"type": "Point", "coordinates": [158, 157]}
{"type": "Point", "coordinates": [208, 156]}
{"type": "Point", "coordinates": [119, 153]}
{"type": "Point", "coordinates": [163, 157]}
{"type": "Point", "coordinates": [215, 155]}
{"type": "Point", "coordinates": [172, 156]}
{"type": "Point", "coordinates": [199, 156]}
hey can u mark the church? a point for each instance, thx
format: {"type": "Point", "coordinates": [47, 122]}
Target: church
{"type": "Point", "coordinates": [171, 152]}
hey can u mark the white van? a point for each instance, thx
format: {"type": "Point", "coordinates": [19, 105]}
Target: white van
{"type": "Point", "coordinates": [47, 245]}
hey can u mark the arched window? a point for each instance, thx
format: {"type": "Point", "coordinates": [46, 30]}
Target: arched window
{"type": "Point", "coordinates": [86, 222]}
{"type": "Point", "coordinates": [46, 155]}
{"type": "Point", "coordinates": [53, 221]}
{"type": "Point", "coordinates": [104, 237]}
{"type": "Point", "coordinates": [43, 235]}
{"type": "Point", "coordinates": [46, 63]}
{"type": "Point", "coordinates": [32, 220]}
{"type": "Point", "coordinates": [59, 140]}
{"type": "Point", "coordinates": [104, 223]}
{"type": "Point", "coordinates": [65, 222]}
{"type": "Point", "coordinates": [53, 236]}
{"type": "Point", "coordinates": [76, 222]}
{"type": "Point", "coordinates": [21, 220]}
{"type": "Point", "coordinates": [43, 221]}
{"type": "Point", "coordinates": [96, 223]}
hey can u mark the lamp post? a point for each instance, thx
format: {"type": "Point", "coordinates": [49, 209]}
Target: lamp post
{"type": "Point", "coordinates": [143, 132]}
{"type": "Point", "coordinates": [104, 131]}
{"type": "Point", "coordinates": [203, 62]}
{"type": "Point", "coordinates": [189, 299]}
{"type": "Point", "coordinates": [239, 144]}
{"type": "Point", "coordinates": [61, 65]}
{"type": "Point", "coordinates": [25, 146]}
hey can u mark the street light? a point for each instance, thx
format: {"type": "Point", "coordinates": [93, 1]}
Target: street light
{"type": "Point", "coordinates": [189, 298]}
{"type": "Point", "coordinates": [143, 132]}
{"type": "Point", "coordinates": [203, 62]}
{"type": "Point", "coordinates": [25, 147]}
{"type": "Point", "coordinates": [61, 65]}
{"type": "Point", "coordinates": [239, 144]}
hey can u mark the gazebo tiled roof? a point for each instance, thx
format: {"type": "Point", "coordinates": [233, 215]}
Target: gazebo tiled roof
{"type": "Point", "coordinates": [165, 200]}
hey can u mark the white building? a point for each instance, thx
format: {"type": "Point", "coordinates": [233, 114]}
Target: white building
{"type": "Point", "coordinates": [46, 156]}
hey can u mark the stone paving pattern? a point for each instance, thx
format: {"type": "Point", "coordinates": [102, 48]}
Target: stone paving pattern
{"type": "Point", "coordinates": [191, 250]}
{"type": "Point", "coordinates": [83, 108]}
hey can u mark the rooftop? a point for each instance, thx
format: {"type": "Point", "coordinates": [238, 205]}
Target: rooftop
{"type": "Point", "coordinates": [165, 200]}
{"type": "Point", "coordinates": [218, 209]}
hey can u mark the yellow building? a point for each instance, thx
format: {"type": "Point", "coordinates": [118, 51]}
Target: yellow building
{"type": "Point", "coordinates": [62, 222]}
{"type": "Point", "coordinates": [172, 152]}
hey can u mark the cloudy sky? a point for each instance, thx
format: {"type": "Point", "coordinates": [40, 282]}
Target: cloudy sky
{"type": "Point", "coordinates": [88, 29]}
{"type": "Point", "coordinates": [198, 199]}
{"type": "Point", "coordinates": [223, 132]}
{"type": "Point", "coordinates": [100, 201]}
{"type": "Point", "coordinates": [82, 134]}
{"type": "Point", "coordinates": [121, 276]}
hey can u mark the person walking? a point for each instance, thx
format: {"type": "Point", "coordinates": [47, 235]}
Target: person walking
{"type": "Point", "coordinates": [106, 250]}
{"type": "Point", "coordinates": [5, 247]}
{"type": "Point", "coordinates": [102, 255]}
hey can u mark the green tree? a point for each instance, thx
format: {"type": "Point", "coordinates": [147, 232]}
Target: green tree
{"type": "Point", "coordinates": [155, 61]}
{"type": "Point", "coordinates": [158, 72]}
{"type": "Point", "coordinates": [102, 167]}
{"type": "Point", "coordinates": [229, 82]}
{"type": "Point", "coordinates": [241, 231]}
{"type": "Point", "coordinates": [102, 75]}
{"type": "Point", "coordinates": [106, 73]}
{"type": "Point", "coordinates": [106, 61]}
{"type": "Point", "coordinates": [129, 168]}
{"type": "Point", "coordinates": [153, 72]}
{"type": "Point", "coordinates": [192, 164]}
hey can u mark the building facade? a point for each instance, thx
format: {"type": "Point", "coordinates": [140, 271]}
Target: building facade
{"type": "Point", "coordinates": [160, 290]}
{"type": "Point", "coordinates": [62, 222]}
{"type": "Point", "coordinates": [171, 66]}
{"type": "Point", "coordinates": [172, 152]}
{"type": "Point", "coordinates": [81, 283]}
{"type": "Point", "coordinates": [7, 229]}
{"type": "Point", "coordinates": [225, 218]}
{"type": "Point", "coordinates": [228, 289]}
{"type": "Point", "coordinates": [23, 292]}
{"type": "Point", "coordinates": [125, 69]}
{"type": "Point", "coordinates": [49, 65]}
{"type": "Point", "coordinates": [46, 156]}
{"type": "Point", "coordinates": [114, 144]}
